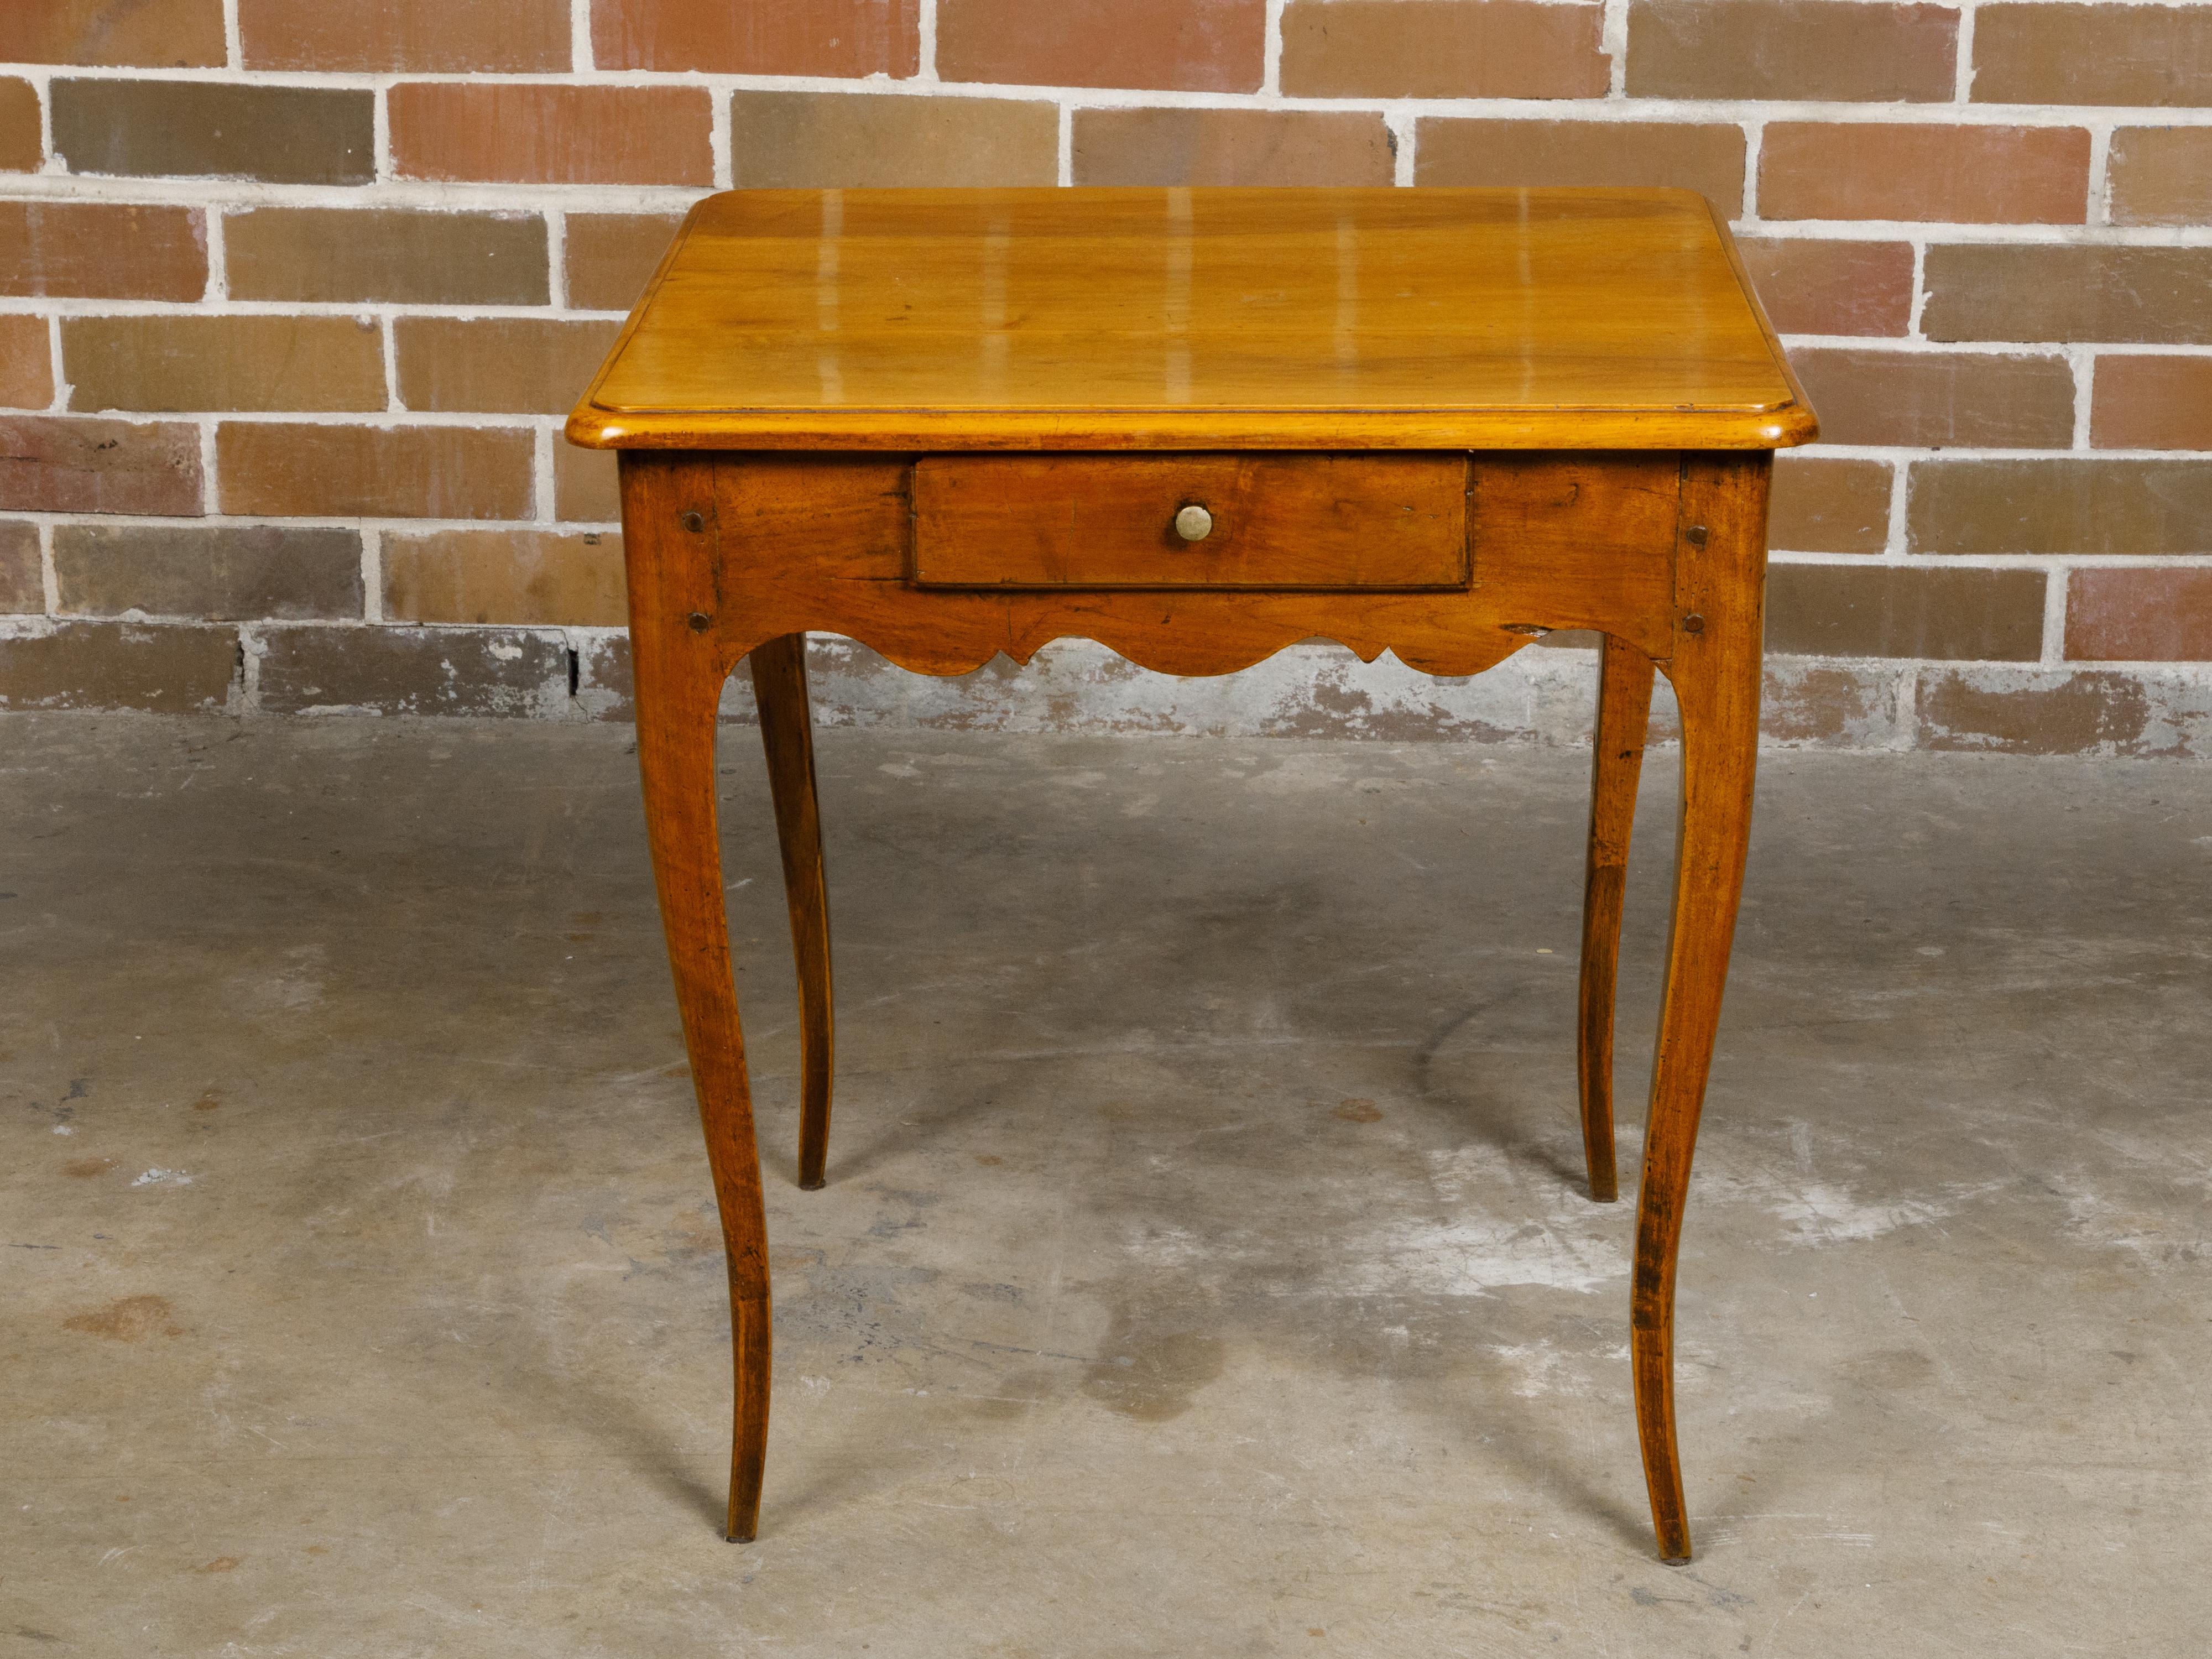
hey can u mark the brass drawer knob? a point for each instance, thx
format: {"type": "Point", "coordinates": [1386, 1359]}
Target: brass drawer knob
{"type": "Point", "coordinates": [1194, 523]}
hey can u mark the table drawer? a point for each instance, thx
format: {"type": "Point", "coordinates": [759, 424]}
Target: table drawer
{"type": "Point", "coordinates": [1282, 520]}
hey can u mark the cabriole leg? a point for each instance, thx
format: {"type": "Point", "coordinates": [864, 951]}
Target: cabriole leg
{"type": "Point", "coordinates": [1624, 711]}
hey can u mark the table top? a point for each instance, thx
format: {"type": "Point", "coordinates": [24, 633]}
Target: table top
{"type": "Point", "coordinates": [1182, 318]}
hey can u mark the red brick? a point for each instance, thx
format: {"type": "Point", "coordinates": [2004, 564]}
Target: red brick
{"type": "Point", "coordinates": [610, 256]}
{"type": "Point", "coordinates": [417, 36]}
{"type": "Point", "coordinates": [22, 149]}
{"type": "Point", "coordinates": [1230, 147]}
{"type": "Point", "coordinates": [61, 464]}
{"type": "Point", "coordinates": [414, 671]}
{"type": "Point", "coordinates": [2161, 176]}
{"type": "Point", "coordinates": [532, 576]}
{"type": "Point", "coordinates": [100, 34]}
{"type": "Point", "coordinates": [1443, 49]}
{"type": "Point", "coordinates": [170, 669]}
{"type": "Point", "coordinates": [835, 140]}
{"type": "Point", "coordinates": [2139, 615]}
{"type": "Point", "coordinates": [215, 129]}
{"type": "Point", "coordinates": [498, 365]}
{"type": "Point", "coordinates": [1903, 170]}
{"type": "Point", "coordinates": [279, 470]}
{"type": "Point", "coordinates": [1181, 46]}
{"type": "Point", "coordinates": [236, 572]}
{"type": "Point", "coordinates": [585, 486]}
{"type": "Point", "coordinates": [407, 256]}
{"type": "Point", "coordinates": [1951, 612]}
{"type": "Point", "coordinates": [1939, 400]}
{"type": "Point", "coordinates": [2151, 403]}
{"type": "Point", "coordinates": [530, 133]}
{"type": "Point", "coordinates": [192, 363]}
{"type": "Point", "coordinates": [26, 372]}
{"type": "Point", "coordinates": [2093, 54]}
{"type": "Point", "coordinates": [22, 588]}
{"type": "Point", "coordinates": [1828, 504]}
{"type": "Point", "coordinates": [2064, 504]}
{"type": "Point", "coordinates": [1791, 49]}
{"type": "Point", "coordinates": [1810, 286]}
{"type": "Point", "coordinates": [2147, 296]}
{"type": "Point", "coordinates": [759, 36]}
{"type": "Point", "coordinates": [1706, 157]}
{"type": "Point", "coordinates": [102, 250]}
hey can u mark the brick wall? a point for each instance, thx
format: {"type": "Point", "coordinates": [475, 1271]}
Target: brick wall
{"type": "Point", "coordinates": [293, 296]}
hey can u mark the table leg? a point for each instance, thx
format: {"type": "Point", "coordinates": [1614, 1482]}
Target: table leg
{"type": "Point", "coordinates": [1623, 712]}
{"type": "Point", "coordinates": [779, 668]}
{"type": "Point", "coordinates": [679, 666]}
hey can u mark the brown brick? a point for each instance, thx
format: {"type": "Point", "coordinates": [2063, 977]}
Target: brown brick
{"type": "Point", "coordinates": [2093, 54]}
{"type": "Point", "coordinates": [59, 464]}
{"type": "Point", "coordinates": [279, 470]}
{"type": "Point", "coordinates": [1442, 49]}
{"type": "Point", "coordinates": [1906, 170]}
{"type": "Point", "coordinates": [219, 573]}
{"type": "Point", "coordinates": [526, 133]}
{"type": "Point", "coordinates": [1230, 147]}
{"type": "Point", "coordinates": [2062, 504]}
{"type": "Point", "coordinates": [22, 589]}
{"type": "Point", "coordinates": [211, 129]}
{"type": "Point", "coordinates": [1179, 45]}
{"type": "Point", "coordinates": [406, 256]}
{"type": "Point", "coordinates": [605, 687]}
{"type": "Point", "coordinates": [586, 489]}
{"type": "Point", "coordinates": [499, 366]}
{"type": "Point", "coordinates": [1791, 49]}
{"type": "Point", "coordinates": [1806, 703]}
{"type": "Point", "coordinates": [26, 374]}
{"type": "Point", "coordinates": [1810, 286]}
{"type": "Point", "coordinates": [2161, 176]}
{"type": "Point", "coordinates": [173, 670]}
{"type": "Point", "coordinates": [2151, 403]}
{"type": "Point", "coordinates": [1825, 504]}
{"type": "Point", "coordinates": [759, 36]}
{"type": "Point", "coordinates": [801, 140]}
{"type": "Point", "coordinates": [536, 576]}
{"type": "Point", "coordinates": [2140, 615]}
{"type": "Point", "coordinates": [99, 33]}
{"type": "Point", "coordinates": [1939, 400]}
{"type": "Point", "coordinates": [610, 256]}
{"type": "Point", "coordinates": [102, 250]}
{"type": "Point", "coordinates": [422, 36]}
{"type": "Point", "coordinates": [2150, 295]}
{"type": "Point", "coordinates": [2093, 712]}
{"type": "Point", "coordinates": [21, 148]}
{"type": "Point", "coordinates": [188, 363]}
{"type": "Point", "coordinates": [1690, 156]}
{"type": "Point", "coordinates": [1946, 612]}
{"type": "Point", "coordinates": [414, 671]}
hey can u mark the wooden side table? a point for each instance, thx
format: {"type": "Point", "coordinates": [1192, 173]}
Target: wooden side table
{"type": "Point", "coordinates": [1198, 426]}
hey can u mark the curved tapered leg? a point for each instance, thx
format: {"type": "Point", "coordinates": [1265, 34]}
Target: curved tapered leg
{"type": "Point", "coordinates": [779, 668]}
{"type": "Point", "coordinates": [679, 669]}
{"type": "Point", "coordinates": [1716, 674]}
{"type": "Point", "coordinates": [1624, 713]}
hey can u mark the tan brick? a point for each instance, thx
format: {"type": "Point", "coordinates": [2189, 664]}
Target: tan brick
{"type": "Point", "coordinates": [530, 133]}
{"type": "Point", "coordinates": [2081, 711]}
{"type": "Point", "coordinates": [1230, 147]}
{"type": "Point", "coordinates": [498, 366]}
{"type": "Point", "coordinates": [210, 130]}
{"type": "Point", "coordinates": [414, 671]}
{"type": "Point", "coordinates": [26, 374]}
{"type": "Point", "coordinates": [586, 486]}
{"type": "Point", "coordinates": [2093, 54]}
{"type": "Point", "coordinates": [2151, 403]}
{"type": "Point", "coordinates": [2062, 504]}
{"type": "Point", "coordinates": [610, 256]}
{"type": "Point", "coordinates": [1907, 170]}
{"type": "Point", "coordinates": [802, 140]}
{"type": "Point", "coordinates": [1689, 155]}
{"type": "Point", "coordinates": [2148, 296]}
{"type": "Point", "coordinates": [2139, 615]}
{"type": "Point", "coordinates": [407, 256]}
{"type": "Point", "coordinates": [22, 588]}
{"type": "Point", "coordinates": [536, 576]}
{"type": "Point", "coordinates": [2161, 176]}
{"type": "Point", "coordinates": [1946, 612]}
{"type": "Point", "coordinates": [62, 464]}
{"type": "Point", "coordinates": [1939, 400]}
{"type": "Point", "coordinates": [759, 36]}
{"type": "Point", "coordinates": [22, 149]}
{"type": "Point", "coordinates": [280, 470]}
{"type": "Point", "coordinates": [99, 33]}
{"type": "Point", "coordinates": [1827, 504]}
{"type": "Point", "coordinates": [102, 250]}
{"type": "Point", "coordinates": [219, 573]}
{"type": "Point", "coordinates": [420, 36]}
{"type": "Point", "coordinates": [1181, 46]}
{"type": "Point", "coordinates": [188, 363]}
{"type": "Point", "coordinates": [171, 669]}
{"type": "Point", "coordinates": [1811, 286]}
{"type": "Point", "coordinates": [1791, 49]}
{"type": "Point", "coordinates": [1443, 49]}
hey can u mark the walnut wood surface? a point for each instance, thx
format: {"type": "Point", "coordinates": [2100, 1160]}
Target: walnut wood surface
{"type": "Point", "coordinates": [1624, 714]}
{"type": "Point", "coordinates": [1178, 319]}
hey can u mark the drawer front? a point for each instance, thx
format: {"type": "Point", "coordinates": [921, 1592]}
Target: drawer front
{"type": "Point", "coordinates": [1280, 520]}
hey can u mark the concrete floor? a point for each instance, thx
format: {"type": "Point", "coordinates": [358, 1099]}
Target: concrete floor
{"type": "Point", "coordinates": [1205, 1269]}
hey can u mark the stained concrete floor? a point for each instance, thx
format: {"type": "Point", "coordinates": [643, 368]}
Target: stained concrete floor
{"type": "Point", "coordinates": [1205, 1269]}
